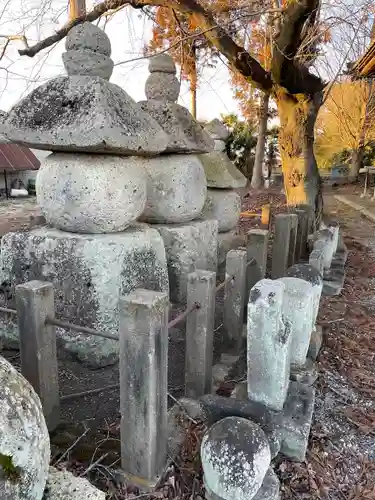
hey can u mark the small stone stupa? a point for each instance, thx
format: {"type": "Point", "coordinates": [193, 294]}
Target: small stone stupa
{"type": "Point", "coordinates": [223, 203]}
{"type": "Point", "coordinates": [177, 187]}
{"type": "Point", "coordinates": [91, 190]}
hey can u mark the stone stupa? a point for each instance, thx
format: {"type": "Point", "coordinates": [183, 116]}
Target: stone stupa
{"type": "Point", "coordinates": [177, 187]}
{"type": "Point", "coordinates": [223, 203]}
{"type": "Point", "coordinates": [91, 190]}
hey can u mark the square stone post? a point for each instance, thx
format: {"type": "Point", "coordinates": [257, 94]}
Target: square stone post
{"type": "Point", "coordinates": [200, 333]}
{"type": "Point", "coordinates": [302, 233]}
{"type": "Point", "coordinates": [280, 249]}
{"type": "Point", "coordinates": [143, 385]}
{"type": "Point", "coordinates": [234, 298]}
{"type": "Point", "coordinates": [316, 260]}
{"type": "Point", "coordinates": [268, 345]}
{"type": "Point", "coordinates": [35, 303]}
{"type": "Point", "coordinates": [257, 248]}
{"type": "Point", "coordinates": [293, 239]}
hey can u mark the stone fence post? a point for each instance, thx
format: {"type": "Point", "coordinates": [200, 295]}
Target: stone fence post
{"type": "Point", "coordinates": [281, 242]}
{"type": "Point", "coordinates": [144, 384]}
{"type": "Point", "coordinates": [235, 297]}
{"type": "Point", "coordinates": [35, 303]}
{"type": "Point", "coordinates": [257, 249]}
{"type": "Point", "coordinates": [200, 333]}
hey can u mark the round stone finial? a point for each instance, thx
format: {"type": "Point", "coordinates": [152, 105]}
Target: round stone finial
{"type": "Point", "coordinates": [87, 36]}
{"type": "Point", "coordinates": [162, 63]}
{"type": "Point", "coordinates": [235, 457]}
{"type": "Point", "coordinates": [88, 51]}
{"type": "Point", "coordinates": [162, 84]}
{"type": "Point", "coordinates": [305, 272]}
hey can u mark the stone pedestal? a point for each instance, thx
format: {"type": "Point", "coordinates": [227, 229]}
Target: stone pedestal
{"type": "Point", "coordinates": [224, 205]}
{"type": "Point", "coordinates": [89, 273]}
{"type": "Point", "coordinates": [188, 247]}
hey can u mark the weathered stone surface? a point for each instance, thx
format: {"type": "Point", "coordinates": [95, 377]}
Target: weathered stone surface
{"type": "Point", "coordinates": [315, 342]}
{"type": "Point", "coordinates": [188, 247]}
{"type": "Point", "coordinates": [176, 188]}
{"type": "Point", "coordinates": [87, 63]}
{"type": "Point", "coordinates": [325, 242]}
{"type": "Point", "coordinates": [316, 260]}
{"type": "Point", "coordinates": [185, 134]}
{"type": "Point", "coordinates": [298, 311]}
{"type": "Point", "coordinates": [215, 408]}
{"type": "Point", "coordinates": [296, 421]}
{"type": "Point", "coordinates": [235, 458]}
{"type": "Point", "coordinates": [309, 273]}
{"type": "Point", "coordinates": [62, 485]}
{"type": "Point", "coordinates": [87, 36]}
{"type": "Point", "coordinates": [268, 345]}
{"type": "Point", "coordinates": [162, 89]}
{"type": "Point", "coordinates": [217, 130]}
{"type": "Point", "coordinates": [91, 193]}
{"type": "Point", "coordinates": [221, 172]}
{"type": "Point", "coordinates": [305, 374]}
{"type": "Point", "coordinates": [224, 206]}
{"type": "Point", "coordinates": [226, 242]}
{"type": "Point", "coordinates": [270, 489]}
{"type": "Point", "coordinates": [24, 440]}
{"type": "Point", "coordinates": [85, 114]}
{"type": "Point", "coordinates": [89, 273]}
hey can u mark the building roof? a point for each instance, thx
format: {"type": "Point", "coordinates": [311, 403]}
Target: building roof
{"type": "Point", "coordinates": [365, 66]}
{"type": "Point", "coordinates": [15, 158]}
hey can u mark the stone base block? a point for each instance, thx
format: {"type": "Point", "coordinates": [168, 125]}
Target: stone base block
{"type": "Point", "coordinates": [188, 247]}
{"type": "Point", "coordinates": [220, 371]}
{"type": "Point", "coordinates": [306, 374]}
{"type": "Point", "coordinates": [223, 205]}
{"type": "Point", "coordinates": [270, 489]}
{"type": "Point", "coordinates": [296, 420]}
{"type": "Point", "coordinates": [315, 343]}
{"type": "Point", "coordinates": [226, 242]}
{"type": "Point", "coordinates": [89, 274]}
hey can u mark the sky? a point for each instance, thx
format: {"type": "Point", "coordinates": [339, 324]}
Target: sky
{"type": "Point", "coordinates": [128, 32]}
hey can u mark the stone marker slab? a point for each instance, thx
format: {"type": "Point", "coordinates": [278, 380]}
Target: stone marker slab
{"type": "Point", "coordinates": [280, 248]}
{"type": "Point", "coordinates": [298, 310]}
{"type": "Point", "coordinates": [188, 247]}
{"type": "Point", "coordinates": [89, 274]}
{"type": "Point", "coordinates": [268, 345]}
{"type": "Point", "coordinates": [315, 343]}
{"type": "Point", "coordinates": [296, 420]}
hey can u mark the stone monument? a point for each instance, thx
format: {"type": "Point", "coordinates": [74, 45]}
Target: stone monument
{"type": "Point", "coordinates": [91, 190]}
{"type": "Point", "coordinates": [223, 202]}
{"type": "Point", "coordinates": [176, 185]}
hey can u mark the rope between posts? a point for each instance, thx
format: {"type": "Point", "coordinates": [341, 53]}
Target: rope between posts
{"type": "Point", "coordinates": [7, 310]}
{"type": "Point", "coordinates": [80, 329]}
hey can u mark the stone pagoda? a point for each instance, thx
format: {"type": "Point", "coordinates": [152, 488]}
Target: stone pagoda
{"type": "Point", "coordinates": [91, 190]}
{"type": "Point", "coordinates": [223, 203]}
{"type": "Point", "coordinates": [177, 187]}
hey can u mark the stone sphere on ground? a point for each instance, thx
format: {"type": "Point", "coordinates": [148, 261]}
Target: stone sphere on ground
{"type": "Point", "coordinates": [84, 193]}
{"type": "Point", "coordinates": [24, 440]}
{"type": "Point", "coordinates": [224, 205]}
{"type": "Point", "coordinates": [176, 189]}
{"type": "Point", "coordinates": [235, 457]}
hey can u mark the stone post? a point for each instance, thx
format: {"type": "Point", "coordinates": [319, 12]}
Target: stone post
{"type": "Point", "coordinates": [298, 310]}
{"type": "Point", "coordinates": [200, 333]}
{"type": "Point", "coordinates": [143, 384]}
{"type": "Point", "coordinates": [268, 345]}
{"type": "Point", "coordinates": [234, 297]}
{"type": "Point", "coordinates": [257, 248]}
{"type": "Point", "coordinates": [316, 260]}
{"type": "Point", "coordinates": [35, 303]}
{"type": "Point", "coordinates": [293, 239]}
{"type": "Point", "coordinates": [302, 234]}
{"type": "Point", "coordinates": [280, 250]}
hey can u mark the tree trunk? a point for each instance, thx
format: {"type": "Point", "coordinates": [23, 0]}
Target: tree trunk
{"type": "Point", "coordinates": [256, 180]}
{"type": "Point", "coordinates": [356, 163]}
{"type": "Point", "coordinates": [77, 8]}
{"type": "Point", "coordinates": [194, 83]}
{"type": "Point", "coordinates": [302, 182]}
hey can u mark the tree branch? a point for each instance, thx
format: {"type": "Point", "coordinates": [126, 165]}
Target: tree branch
{"type": "Point", "coordinates": [285, 70]}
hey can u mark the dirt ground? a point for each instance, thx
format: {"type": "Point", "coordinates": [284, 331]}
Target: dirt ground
{"type": "Point", "coordinates": [340, 463]}
{"type": "Point", "coordinates": [16, 214]}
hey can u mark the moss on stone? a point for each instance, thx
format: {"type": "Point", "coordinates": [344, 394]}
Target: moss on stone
{"type": "Point", "coordinates": [11, 472]}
